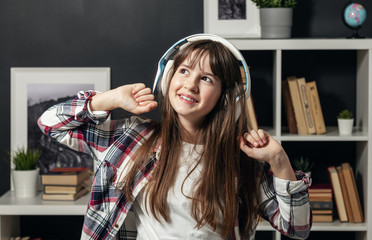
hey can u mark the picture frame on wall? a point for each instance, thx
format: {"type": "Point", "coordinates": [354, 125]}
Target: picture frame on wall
{"type": "Point", "coordinates": [33, 91]}
{"type": "Point", "coordinates": [232, 19]}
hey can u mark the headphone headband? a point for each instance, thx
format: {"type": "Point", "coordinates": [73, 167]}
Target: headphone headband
{"type": "Point", "coordinates": [166, 62]}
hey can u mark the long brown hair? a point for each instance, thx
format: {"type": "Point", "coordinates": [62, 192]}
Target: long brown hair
{"type": "Point", "coordinates": [227, 182]}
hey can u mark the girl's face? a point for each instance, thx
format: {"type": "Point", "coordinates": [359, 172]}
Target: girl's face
{"type": "Point", "coordinates": [194, 91]}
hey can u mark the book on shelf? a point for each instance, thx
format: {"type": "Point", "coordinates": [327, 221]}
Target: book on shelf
{"type": "Point", "coordinates": [322, 211]}
{"type": "Point", "coordinates": [52, 189]}
{"type": "Point", "coordinates": [65, 197]}
{"type": "Point", "coordinates": [316, 108]}
{"type": "Point", "coordinates": [321, 205]}
{"type": "Point", "coordinates": [321, 202]}
{"type": "Point", "coordinates": [320, 190]}
{"type": "Point", "coordinates": [309, 120]}
{"type": "Point", "coordinates": [288, 108]}
{"type": "Point", "coordinates": [338, 196]}
{"type": "Point", "coordinates": [352, 193]}
{"type": "Point", "coordinates": [297, 106]}
{"type": "Point", "coordinates": [70, 189]}
{"type": "Point", "coordinates": [65, 176]}
{"type": "Point", "coordinates": [321, 218]}
{"type": "Point", "coordinates": [344, 194]}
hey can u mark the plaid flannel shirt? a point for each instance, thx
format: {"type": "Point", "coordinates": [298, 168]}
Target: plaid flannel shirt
{"type": "Point", "coordinates": [285, 204]}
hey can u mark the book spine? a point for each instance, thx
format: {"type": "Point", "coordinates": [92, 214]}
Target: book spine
{"type": "Point", "coordinates": [344, 194]}
{"type": "Point", "coordinates": [288, 108]}
{"type": "Point", "coordinates": [296, 100]}
{"type": "Point", "coordinates": [352, 192]}
{"type": "Point", "coordinates": [306, 106]}
{"type": "Point", "coordinates": [336, 186]}
{"type": "Point", "coordinates": [316, 107]}
{"type": "Point", "coordinates": [319, 205]}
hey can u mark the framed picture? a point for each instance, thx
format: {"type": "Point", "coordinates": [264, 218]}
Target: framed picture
{"type": "Point", "coordinates": [33, 91]}
{"type": "Point", "coordinates": [232, 18]}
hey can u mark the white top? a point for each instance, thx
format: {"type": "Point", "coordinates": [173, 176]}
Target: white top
{"type": "Point", "coordinates": [181, 224]}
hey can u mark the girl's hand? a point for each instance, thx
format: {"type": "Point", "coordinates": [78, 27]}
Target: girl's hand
{"type": "Point", "coordinates": [260, 145]}
{"type": "Point", "coordinates": [135, 98]}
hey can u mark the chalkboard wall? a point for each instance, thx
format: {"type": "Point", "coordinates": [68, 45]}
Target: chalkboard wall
{"type": "Point", "coordinates": [129, 36]}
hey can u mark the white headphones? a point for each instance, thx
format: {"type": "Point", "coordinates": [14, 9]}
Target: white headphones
{"type": "Point", "coordinates": [166, 62]}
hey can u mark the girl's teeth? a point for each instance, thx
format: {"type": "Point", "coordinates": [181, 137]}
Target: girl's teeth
{"type": "Point", "coordinates": [188, 99]}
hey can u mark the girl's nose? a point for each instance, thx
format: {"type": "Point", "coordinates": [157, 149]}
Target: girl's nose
{"type": "Point", "coordinates": [192, 83]}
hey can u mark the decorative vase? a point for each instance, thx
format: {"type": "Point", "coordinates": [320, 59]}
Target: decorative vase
{"type": "Point", "coordinates": [25, 183]}
{"type": "Point", "coordinates": [345, 126]}
{"type": "Point", "coordinates": [276, 22]}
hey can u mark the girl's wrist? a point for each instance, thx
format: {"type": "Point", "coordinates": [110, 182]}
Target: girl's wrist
{"type": "Point", "coordinates": [281, 167]}
{"type": "Point", "coordinates": [103, 102]}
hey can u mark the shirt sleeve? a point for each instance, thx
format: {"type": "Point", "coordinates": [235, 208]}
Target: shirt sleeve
{"type": "Point", "coordinates": [72, 123]}
{"type": "Point", "coordinates": [285, 203]}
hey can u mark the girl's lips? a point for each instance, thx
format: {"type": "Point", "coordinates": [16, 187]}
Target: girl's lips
{"type": "Point", "coordinates": [187, 98]}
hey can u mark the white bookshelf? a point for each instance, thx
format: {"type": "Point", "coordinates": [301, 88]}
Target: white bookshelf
{"type": "Point", "coordinates": [10, 205]}
{"type": "Point", "coordinates": [11, 208]}
{"type": "Point", "coordinates": [361, 136]}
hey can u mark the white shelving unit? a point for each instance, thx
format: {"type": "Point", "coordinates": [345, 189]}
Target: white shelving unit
{"type": "Point", "coordinates": [363, 117]}
{"type": "Point", "coordinates": [11, 208]}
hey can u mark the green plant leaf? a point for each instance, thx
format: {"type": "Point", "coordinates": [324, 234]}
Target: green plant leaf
{"type": "Point", "coordinates": [25, 159]}
{"type": "Point", "coordinates": [345, 114]}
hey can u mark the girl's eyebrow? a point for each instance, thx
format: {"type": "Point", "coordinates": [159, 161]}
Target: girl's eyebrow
{"type": "Point", "coordinates": [190, 67]}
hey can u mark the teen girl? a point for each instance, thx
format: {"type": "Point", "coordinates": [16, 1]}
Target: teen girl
{"type": "Point", "coordinates": [197, 174]}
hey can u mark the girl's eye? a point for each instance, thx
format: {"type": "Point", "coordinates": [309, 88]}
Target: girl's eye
{"type": "Point", "coordinates": [184, 71]}
{"type": "Point", "coordinates": [207, 79]}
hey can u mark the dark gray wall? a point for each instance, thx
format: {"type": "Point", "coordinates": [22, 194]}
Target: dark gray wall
{"type": "Point", "coordinates": [129, 36]}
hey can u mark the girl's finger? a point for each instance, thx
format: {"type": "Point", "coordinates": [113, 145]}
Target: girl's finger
{"type": "Point", "coordinates": [137, 87]}
{"type": "Point", "coordinates": [147, 106]}
{"type": "Point", "coordinates": [263, 135]}
{"type": "Point", "coordinates": [148, 97]}
{"type": "Point", "coordinates": [143, 92]}
{"type": "Point", "coordinates": [254, 138]}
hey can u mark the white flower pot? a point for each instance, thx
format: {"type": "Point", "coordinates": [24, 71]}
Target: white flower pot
{"type": "Point", "coordinates": [345, 126]}
{"type": "Point", "coordinates": [25, 183]}
{"type": "Point", "coordinates": [276, 22]}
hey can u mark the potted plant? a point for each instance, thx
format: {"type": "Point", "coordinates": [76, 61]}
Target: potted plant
{"type": "Point", "coordinates": [345, 120]}
{"type": "Point", "coordinates": [303, 164]}
{"type": "Point", "coordinates": [25, 172]}
{"type": "Point", "coordinates": [276, 17]}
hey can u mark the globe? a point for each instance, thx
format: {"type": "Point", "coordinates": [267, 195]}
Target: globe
{"type": "Point", "coordinates": [355, 15]}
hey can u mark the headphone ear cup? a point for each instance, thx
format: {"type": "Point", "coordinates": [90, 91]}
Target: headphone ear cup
{"type": "Point", "coordinates": [165, 78]}
{"type": "Point", "coordinates": [238, 107]}
{"type": "Point", "coordinates": [238, 111]}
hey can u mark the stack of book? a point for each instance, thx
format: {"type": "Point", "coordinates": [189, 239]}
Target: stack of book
{"type": "Point", "coordinates": [346, 193]}
{"type": "Point", "coordinates": [321, 202]}
{"type": "Point", "coordinates": [66, 184]}
{"type": "Point", "coordinates": [302, 106]}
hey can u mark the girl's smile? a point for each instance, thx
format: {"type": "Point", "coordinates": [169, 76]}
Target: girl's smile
{"type": "Point", "coordinates": [187, 99]}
